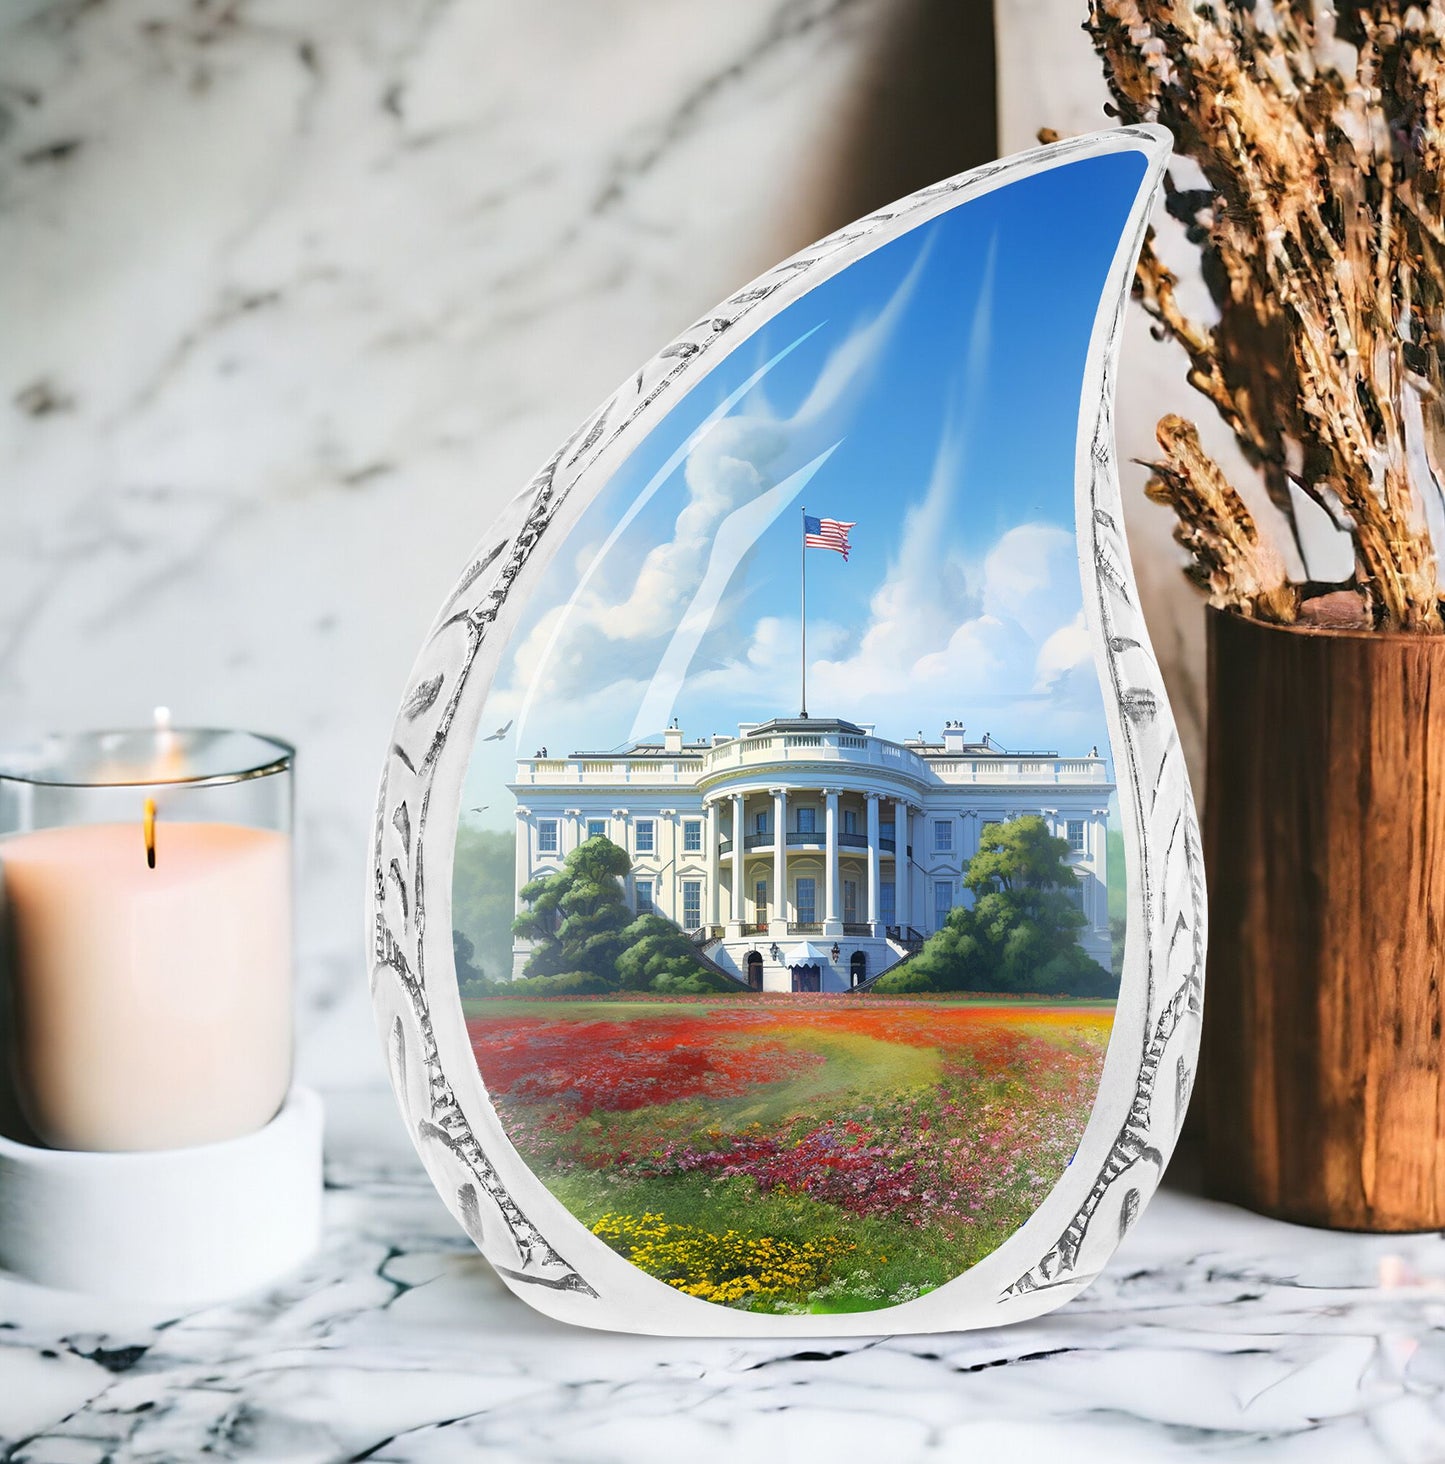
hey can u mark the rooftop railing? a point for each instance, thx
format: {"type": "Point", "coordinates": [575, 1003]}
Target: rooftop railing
{"type": "Point", "coordinates": [845, 749]}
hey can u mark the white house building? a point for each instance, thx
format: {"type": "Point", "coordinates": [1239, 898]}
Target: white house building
{"type": "Point", "coordinates": [807, 854]}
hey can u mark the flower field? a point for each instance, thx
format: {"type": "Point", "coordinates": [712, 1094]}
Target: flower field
{"type": "Point", "coordinates": [795, 1153]}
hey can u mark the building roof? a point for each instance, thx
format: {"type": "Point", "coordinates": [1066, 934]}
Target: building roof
{"type": "Point", "coordinates": [639, 749]}
{"type": "Point", "coordinates": [805, 724]}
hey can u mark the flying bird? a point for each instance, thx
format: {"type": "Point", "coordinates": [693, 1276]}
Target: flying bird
{"type": "Point", "coordinates": [482, 809]}
{"type": "Point", "coordinates": [500, 733]}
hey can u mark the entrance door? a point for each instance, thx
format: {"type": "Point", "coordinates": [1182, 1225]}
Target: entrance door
{"type": "Point", "coordinates": [755, 970]}
{"type": "Point", "coordinates": [807, 978]}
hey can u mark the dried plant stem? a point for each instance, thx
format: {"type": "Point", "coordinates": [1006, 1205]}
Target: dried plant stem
{"type": "Point", "coordinates": [1227, 557]}
{"type": "Point", "coordinates": [1319, 226]}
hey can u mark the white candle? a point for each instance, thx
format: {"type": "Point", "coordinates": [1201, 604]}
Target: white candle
{"type": "Point", "coordinates": [153, 1004]}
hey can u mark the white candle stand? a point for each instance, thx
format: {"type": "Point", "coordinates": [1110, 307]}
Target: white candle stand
{"type": "Point", "coordinates": [181, 1227]}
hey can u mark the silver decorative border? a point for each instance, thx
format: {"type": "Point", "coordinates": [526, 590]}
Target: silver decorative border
{"type": "Point", "coordinates": [541, 1250]}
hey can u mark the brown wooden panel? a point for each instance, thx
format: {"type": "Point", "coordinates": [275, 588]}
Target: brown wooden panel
{"type": "Point", "coordinates": [1325, 842]}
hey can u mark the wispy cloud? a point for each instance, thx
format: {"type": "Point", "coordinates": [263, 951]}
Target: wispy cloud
{"type": "Point", "coordinates": [637, 616]}
{"type": "Point", "coordinates": [735, 537]}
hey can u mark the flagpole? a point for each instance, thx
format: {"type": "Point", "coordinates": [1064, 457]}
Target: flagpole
{"type": "Point", "coordinates": [803, 617]}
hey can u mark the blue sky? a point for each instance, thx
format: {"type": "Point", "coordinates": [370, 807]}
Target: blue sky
{"type": "Point", "coordinates": [930, 392]}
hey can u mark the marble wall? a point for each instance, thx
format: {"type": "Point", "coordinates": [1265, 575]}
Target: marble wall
{"type": "Point", "coordinates": [295, 295]}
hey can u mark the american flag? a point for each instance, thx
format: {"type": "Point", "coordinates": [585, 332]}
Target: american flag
{"type": "Point", "coordinates": [821, 533]}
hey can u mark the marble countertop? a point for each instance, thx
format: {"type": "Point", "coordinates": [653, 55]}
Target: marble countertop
{"type": "Point", "coordinates": [1212, 1332]}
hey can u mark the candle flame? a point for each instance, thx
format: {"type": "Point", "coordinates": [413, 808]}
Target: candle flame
{"type": "Point", "coordinates": [150, 832]}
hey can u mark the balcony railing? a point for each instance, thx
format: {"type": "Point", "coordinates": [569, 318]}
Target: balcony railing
{"type": "Point", "coordinates": [685, 768]}
{"type": "Point", "coordinates": [555, 772]}
{"type": "Point", "coordinates": [805, 927]}
{"type": "Point", "coordinates": [813, 747]}
{"type": "Point", "coordinates": [815, 839]}
{"type": "Point", "coordinates": [906, 936]}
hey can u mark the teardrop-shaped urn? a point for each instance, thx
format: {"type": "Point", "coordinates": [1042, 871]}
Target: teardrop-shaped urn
{"type": "Point", "coordinates": [786, 907]}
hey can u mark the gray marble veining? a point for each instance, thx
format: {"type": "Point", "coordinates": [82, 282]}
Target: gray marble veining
{"type": "Point", "coordinates": [1212, 1333]}
{"type": "Point", "coordinates": [280, 281]}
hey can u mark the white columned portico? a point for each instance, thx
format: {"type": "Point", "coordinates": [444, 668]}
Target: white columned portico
{"type": "Point", "coordinates": [873, 865]}
{"type": "Point", "coordinates": [832, 925]}
{"type": "Point", "coordinates": [712, 863]}
{"type": "Point", "coordinates": [778, 925]}
{"type": "Point", "coordinates": [902, 910]}
{"type": "Point", "coordinates": [737, 853]}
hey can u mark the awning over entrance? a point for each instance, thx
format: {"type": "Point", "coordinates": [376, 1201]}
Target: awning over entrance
{"type": "Point", "coordinates": [806, 954]}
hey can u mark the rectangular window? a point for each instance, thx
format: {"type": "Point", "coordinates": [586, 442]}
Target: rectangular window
{"type": "Point", "coordinates": [887, 902]}
{"type": "Point", "coordinates": [692, 836]}
{"type": "Point", "coordinates": [1074, 889]}
{"type": "Point", "coordinates": [942, 901]}
{"type": "Point", "coordinates": [943, 836]}
{"type": "Point", "coordinates": [807, 820]}
{"type": "Point", "coordinates": [760, 822]}
{"type": "Point", "coordinates": [850, 820]}
{"type": "Point", "coordinates": [850, 900]}
{"type": "Point", "coordinates": [885, 831]}
{"type": "Point", "coordinates": [691, 904]}
{"type": "Point", "coordinates": [760, 901]}
{"type": "Point", "coordinates": [1074, 833]}
{"type": "Point", "coordinates": [546, 835]}
{"type": "Point", "coordinates": [596, 828]}
{"type": "Point", "coordinates": [643, 889]}
{"type": "Point", "coordinates": [806, 892]}
{"type": "Point", "coordinates": [645, 844]}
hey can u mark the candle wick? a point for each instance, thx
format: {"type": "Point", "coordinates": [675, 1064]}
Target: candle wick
{"type": "Point", "coordinates": [150, 833]}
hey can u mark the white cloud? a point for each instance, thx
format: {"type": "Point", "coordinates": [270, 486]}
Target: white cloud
{"type": "Point", "coordinates": [1065, 650]}
{"type": "Point", "coordinates": [941, 635]}
{"type": "Point", "coordinates": [735, 537]}
{"type": "Point", "coordinates": [631, 599]}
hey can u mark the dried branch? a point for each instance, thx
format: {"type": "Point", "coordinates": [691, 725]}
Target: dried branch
{"type": "Point", "coordinates": [1227, 558]}
{"type": "Point", "coordinates": [1321, 235]}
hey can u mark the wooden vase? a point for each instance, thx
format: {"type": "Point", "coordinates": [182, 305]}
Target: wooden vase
{"type": "Point", "coordinates": [1323, 1073]}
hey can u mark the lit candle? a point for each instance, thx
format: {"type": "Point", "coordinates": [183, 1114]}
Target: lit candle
{"type": "Point", "coordinates": [149, 955]}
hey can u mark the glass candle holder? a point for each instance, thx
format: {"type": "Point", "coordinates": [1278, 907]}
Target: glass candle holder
{"type": "Point", "coordinates": [145, 897]}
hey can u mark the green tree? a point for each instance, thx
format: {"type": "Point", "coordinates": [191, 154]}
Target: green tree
{"type": "Point", "coordinates": [1021, 935]}
{"type": "Point", "coordinates": [483, 897]}
{"type": "Point", "coordinates": [659, 957]}
{"type": "Point", "coordinates": [576, 916]}
{"type": "Point", "coordinates": [470, 979]}
{"type": "Point", "coordinates": [586, 940]}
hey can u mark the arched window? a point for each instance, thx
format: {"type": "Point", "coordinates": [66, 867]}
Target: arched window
{"type": "Point", "coordinates": [755, 970]}
{"type": "Point", "coordinates": [858, 968]}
